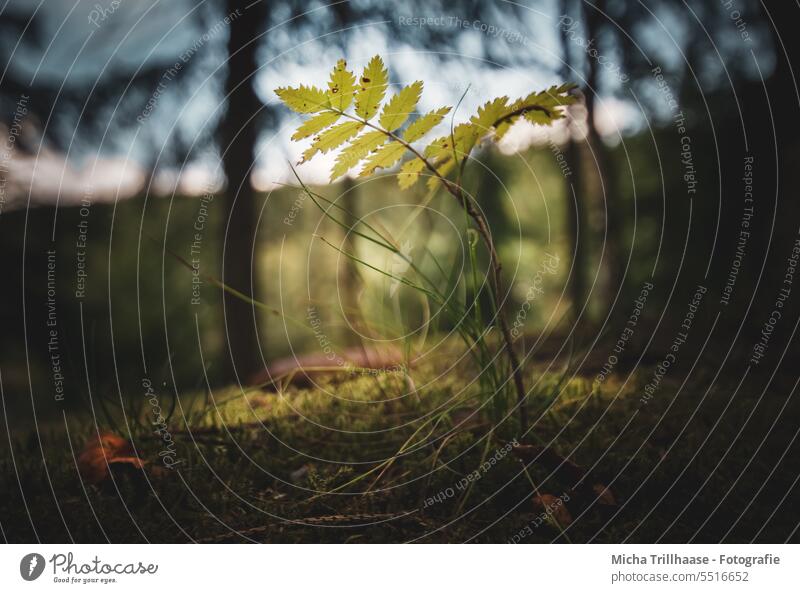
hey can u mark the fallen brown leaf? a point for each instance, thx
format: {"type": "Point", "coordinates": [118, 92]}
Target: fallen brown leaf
{"type": "Point", "coordinates": [604, 495]}
{"type": "Point", "coordinates": [102, 454]}
{"type": "Point", "coordinates": [553, 506]}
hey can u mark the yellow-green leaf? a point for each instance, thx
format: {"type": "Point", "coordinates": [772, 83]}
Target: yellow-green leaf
{"type": "Point", "coordinates": [443, 169]}
{"type": "Point", "coordinates": [465, 135]}
{"type": "Point", "coordinates": [424, 124]}
{"type": "Point", "coordinates": [358, 149]}
{"type": "Point", "coordinates": [386, 156]}
{"type": "Point", "coordinates": [315, 125]}
{"type": "Point", "coordinates": [331, 138]}
{"type": "Point", "coordinates": [502, 128]}
{"type": "Point", "coordinates": [341, 87]}
{"type": "Point", "coordinates": [371, 88]}
{"type": "Point", "coordinates": [303, 99]}
{"type": "Point", "coordinates": [409, 172]}
{"type": "Point", "coordinates": [545, 106]}
{"type": "Point", "coordinates": [490, 112]}
{"type": "Point", "coordinates": [537, 116]}
{"type": "Point", "coordinates": [399, 107]}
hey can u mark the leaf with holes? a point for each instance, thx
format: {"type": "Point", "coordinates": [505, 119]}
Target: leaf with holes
{"type": "Point", "coordinates": [341, 87]}
{"type": "Point", "coordinates": [371, 88]}
{"type": "Point", "coordinates": [409, 172]}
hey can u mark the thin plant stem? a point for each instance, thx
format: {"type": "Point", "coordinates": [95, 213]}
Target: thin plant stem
{"type": "Point", "coordinates": [483, 229]}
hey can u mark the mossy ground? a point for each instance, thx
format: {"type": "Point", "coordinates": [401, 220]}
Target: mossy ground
{"type": "Point", "coordinates": [310, 465]}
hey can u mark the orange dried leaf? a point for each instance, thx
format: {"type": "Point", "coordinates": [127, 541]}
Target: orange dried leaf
{"type": "Point", "coordinates": [604, 495]}
{"type": "Point", "coordinates": [103, 452]}
{"type": "Point", "coordinates": [554, 507]}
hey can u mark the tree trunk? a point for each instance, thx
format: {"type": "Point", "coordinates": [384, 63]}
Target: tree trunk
{"type": "Point", "coordinates": [238, 133]}
{"type": "Point", "coordinates": [574, 201]}
{"type": "Point", "coordinates": [349, 279]}
{"type": "Point", "coordinates": [607, 187]}
{"type": "Point", "coordinates": [576, 227]}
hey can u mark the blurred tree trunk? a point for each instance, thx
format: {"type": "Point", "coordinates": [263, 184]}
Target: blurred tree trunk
{"type": "Point", "coordinates": [607, 187]}
{"type": "Point", "coordinates": [349, 281]}
{"type": "Point", "coordinates": [574, 192]}
{"type": "Point", "coordinates": [238, 133]}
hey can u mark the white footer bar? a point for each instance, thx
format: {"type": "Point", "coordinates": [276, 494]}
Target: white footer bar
{"type": "Point", "coordinates": [390, 568]}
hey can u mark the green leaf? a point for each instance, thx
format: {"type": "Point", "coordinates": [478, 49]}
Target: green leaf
{"type": "Point", "coordinates": [341, 87]}
{"type": "Point", "coordinates": [543, 107]}
{"type": "Point", "coordinates": [409, 172]}
{"type": "Point", "coordinates": [331, 138]}
{"type": "Point", "coordinates": [303, 99]}
{"type": "Point", "coordinates": [358, 149]}
{"type": "Point", "coordinates": [490, 112]}
{"type": "Point", "coordinates": [399, 107]}
{"type": "Point", "coordinates": [443, 169]}
{"type": "Point", "coordinates": [504, 127]}
{"type": "Point", "coordinates": [465, 136]}
{"type": "Point", "coordinates": [315, 125]}
{"type": "Point", "coordinates": [422, 125]}
{"type": "Point", "coordinates": [371, 89]}
{"type": "Point", "coordinates": [386, 156]}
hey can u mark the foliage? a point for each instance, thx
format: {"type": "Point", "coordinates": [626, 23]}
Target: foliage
{"type": "Point", "coordinates": [379, 134]}
{"type": "Point", "coordinates": [381, 144]}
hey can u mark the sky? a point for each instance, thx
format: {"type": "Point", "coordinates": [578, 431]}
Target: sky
{"type": "Point", "coordinates": [88, 39]}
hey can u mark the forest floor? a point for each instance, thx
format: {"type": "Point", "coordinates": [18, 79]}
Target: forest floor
{"type": "Point", "coordinates": [354, 462]}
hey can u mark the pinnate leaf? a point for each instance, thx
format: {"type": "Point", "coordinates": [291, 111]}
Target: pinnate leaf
{"type": "Point", "coordinates": [386, 156]}
{"type": "Point", "coordinates": [424, 124]}
{"type": "Point", "coordinates": [409, 172]}
{"type": "Point", "coordinates": [399, 107]}
{"type": "Point", "coordinates": [504, 127]}
{"type": "Point", "coordinates": [543, 107]}
{"type": "Point", "coordinates": [465, 136]}
{"type": "Point", "coordinates": [371, 88]}
{"type": "Point", "coordinates": [494, 118]}
{"type": "Point", "coordinates": [341, 87]}
{"type": "Point", "coordinates": [442, 169]}
{"type": "Point", "coordinates": [303, 99]}
{"type": "Point", "coordinates": [332, 138]}
{"type": "Point", "coordinates": [545, 104]}
{"type": "Point", "coordinates": [315, 125]}
{"type": "Point", "coordinates": [490, 112]}
{"type": "Point", "coordinates": [358, 149]}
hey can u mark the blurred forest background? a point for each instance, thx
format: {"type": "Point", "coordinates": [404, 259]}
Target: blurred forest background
{"type": "Point", "coordinates": [132, 125]}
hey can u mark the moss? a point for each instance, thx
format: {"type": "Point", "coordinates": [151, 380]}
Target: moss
{"type": "Point", "coordinates": [361, 461]}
